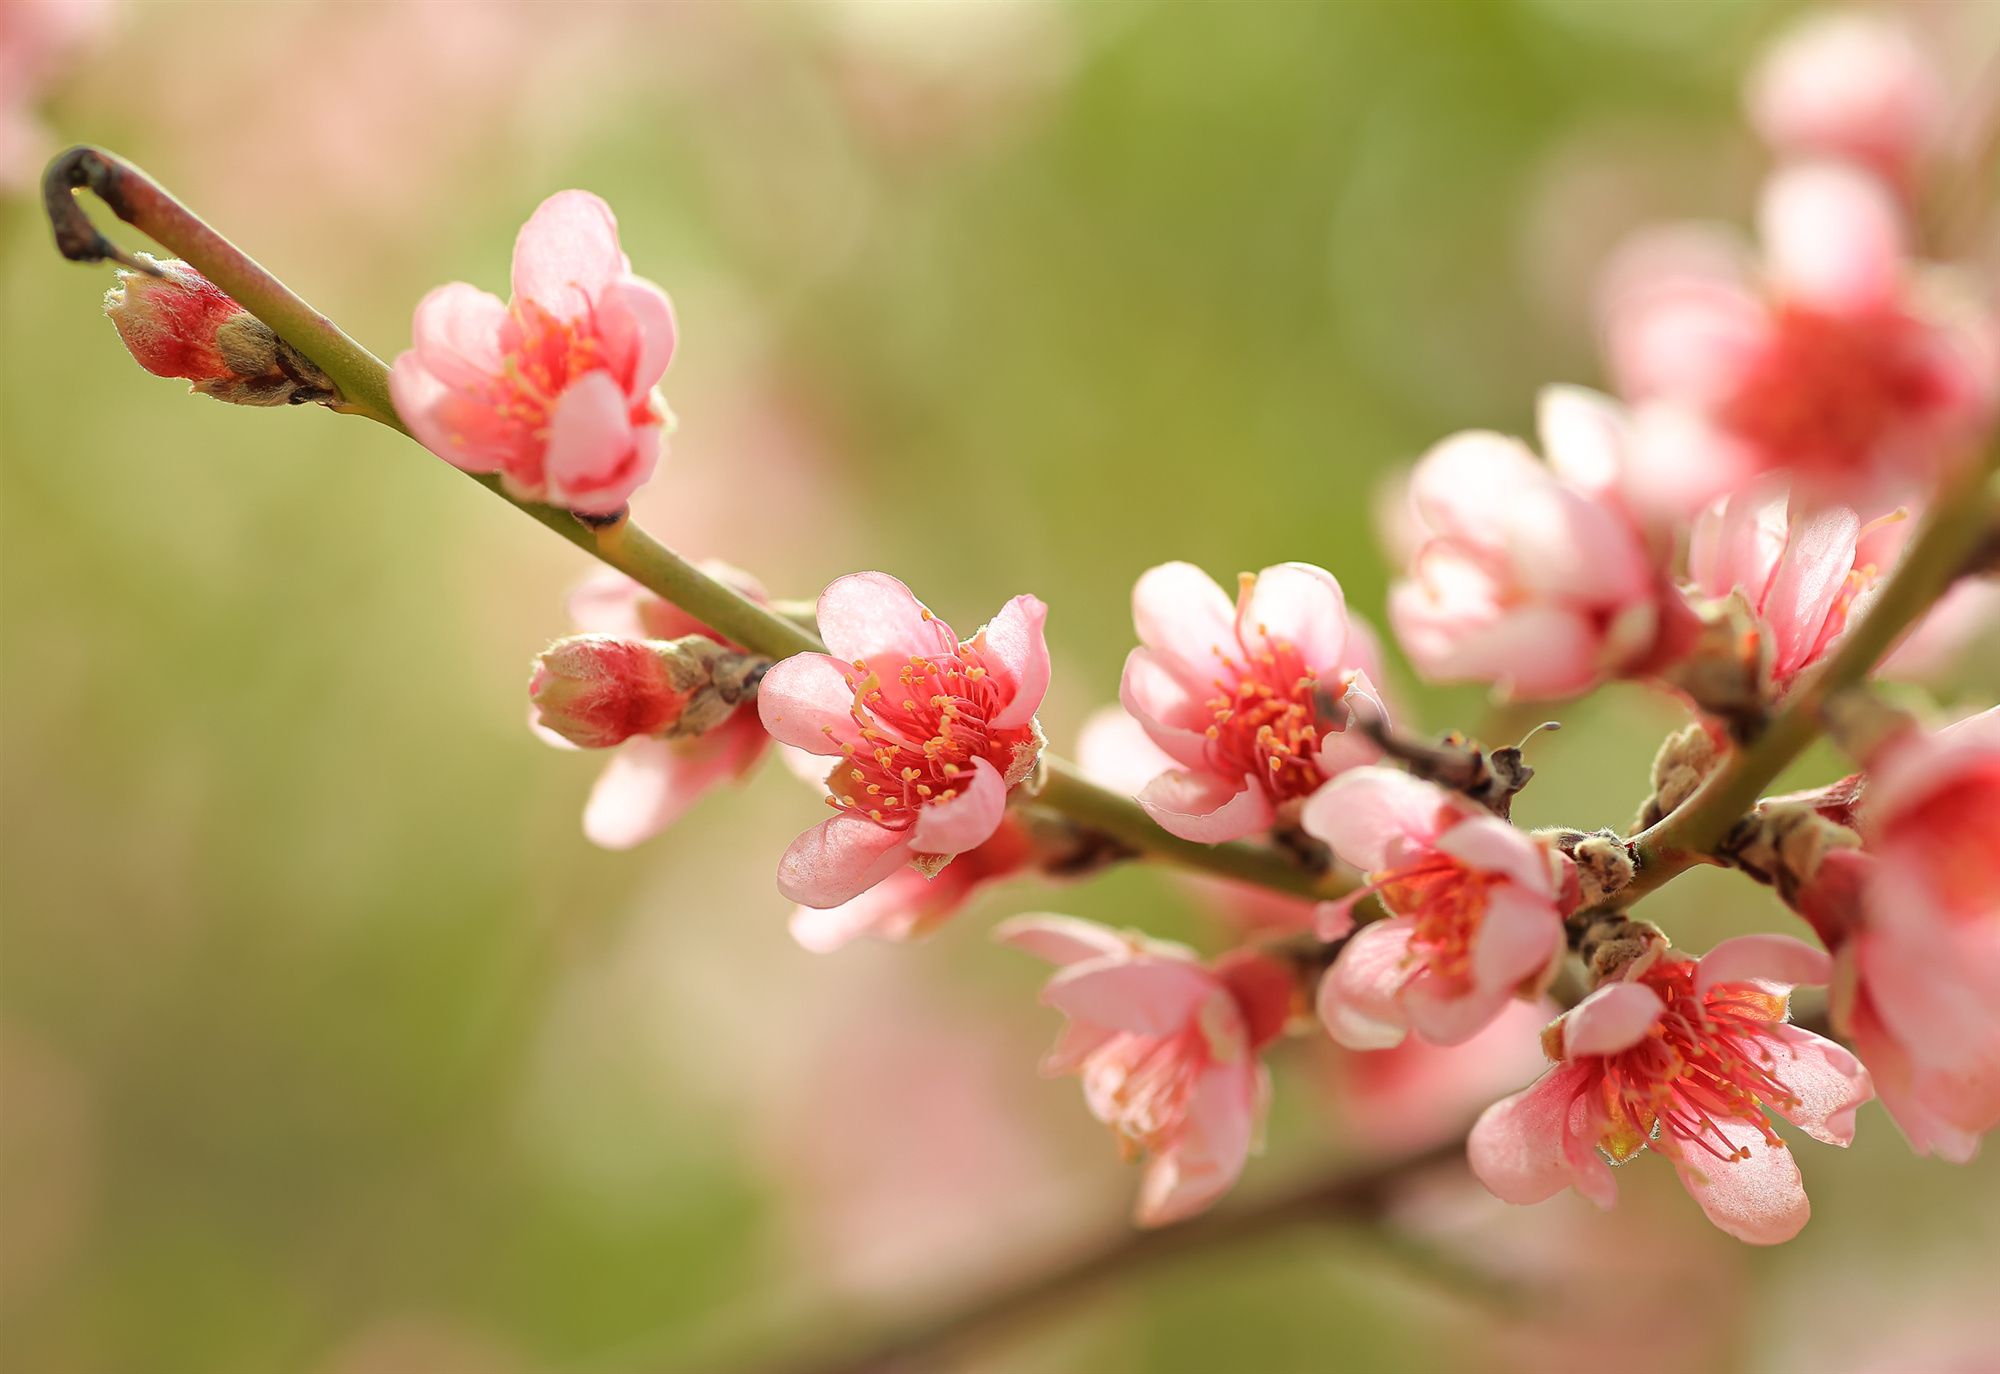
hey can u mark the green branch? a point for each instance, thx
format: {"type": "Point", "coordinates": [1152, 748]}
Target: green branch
{"type": "Point", "coordinates": [363, 383]}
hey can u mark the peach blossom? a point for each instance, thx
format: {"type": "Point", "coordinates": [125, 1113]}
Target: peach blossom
{"type": "Point", "coordinates": [1168, 1050]}
{"type": "Point", "coordinates": [553, 391]}
{"type": "Point", "coordinates": [908, 905]}
{"type": "Point", "coordinates": [1837, 363]}
{"type": "Point", "coordinates": [651, 782]}
{"type": "Point", "coordinates": [1254, 703]}
{"type": "Point", "coordinates": [1683, 1057]}
{"type": "Point", "coordinates": [931, 732]}
{"type": "Point", "coordinates": [1530, 576]}
{"type": "Point", "coordinates": [1475, 911]}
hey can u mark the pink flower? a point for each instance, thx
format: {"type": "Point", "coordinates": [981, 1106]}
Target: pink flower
{"type": "Point", "coordinates": [1838, 365]}
{"type": "Point", "coordinates": [1475, 911]}
{"type": "Point", "coordinates": [1851, 85]}
{"type": "Point", "coordinates": [1417, 1094]}
{"type": "Point", "coordinates": [908, 904]}
{"type": "Point", "coordinates": [651, 782]}
{"type": "Point", "coordinates": [1802, 572]}
{"type": "Point", "coordinates": [554, 390]}
{"type": "Point", "coordinates": [1252, 702]}
{"type": "Point", "coordinates": [1684, 1057]}
{"type": "Point", "coordinates": [931, 732]}
{"type": "Point", "coordinates": [1529, 576]}
{"type": "Point", "coordinates": [1914, 923]}
{"type": "Point", "coordinates": [1167, 1048]}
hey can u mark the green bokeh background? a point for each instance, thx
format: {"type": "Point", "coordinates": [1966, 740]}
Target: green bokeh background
{"type": "Point", "coordinates": [329, 1045]}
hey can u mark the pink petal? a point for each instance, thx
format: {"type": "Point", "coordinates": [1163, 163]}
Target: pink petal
{"type": "Point", "coordinates": [1359, 997]}
{"type": "Point", "coordinates": [635, 322]}
{"type": "Point", "coordinates": [1075, 1043]}
{"type": "Point", "coordinates": [807, 701]}
{"type": "Point", "coordinates": [1583, 438]}
{"type": "Point", "coordinates": [607, 603]}
{"type": "Point", "coordinates": [1182, 615]}
{"type": "Point", "coordinates": [1015, 638]}
{"type": "Point", "coordinates": [1736, 544]}
{"type": "Point", "coordinates": [1517, 1147]}
{"type": "Point", "coordinates": [1115, 750]}
{"type": "Point", "coordinates": [965, 821]}
{"type": "Point", "coordinates": [867, 614]}
{"type": "Point", "coordinates": [839, 859]}
{"type": "Point", "coordinates": [596, 457]}
{"type": "Point", "coordinates": [881, 910]}
{"type": "Point", "coordinates": [1172, 715]}
{"type": "Point", "coordinates": [649, 783]}
{"type": "Point", "coordinates": [1300, 605]}
{"type": "Point", "coordinates": [456, 334]}
{"type": "Point", "coordinates": [1681, 461]}
{"type": "Point", "coordinates": [1488, 843]}
{"type": "Point", "coordinates": [1372, 815]}
{"type": "Point", "coordinates": [1680, 318]}
{"type": "Point", "coordinates": [1518, 937]}
{"type": "Point", "coordinates": [1834, 238]}
{"type": "Point", "coordinates": [1205, 808]}
{"type": "Point", "coordinates": [1208, 1157]}
{"type": "Point", "coordinates": [1615, 1017]}
{"type": "Point", "coordinates": [1130, 991]}
{"type": "Point", "coordinates": [567, 253]}
{"type": "Point", "coordinates": [1460, 483]}
{"type": "Point", "coordinates": [1759, 1199]}
{"type": "Point", "coordinates": [1829, 1082]}
{"type": "Point", "coordinates": [464, 432]}
{"type": "Point", "coordinates": [1061, 939]}
{"type": "Point", "coordinates": [1445, 1012]}
{"type": "Point", "coordinates": [1774, 963]}
{"type": "Point", "coordinates": [1810, 577]}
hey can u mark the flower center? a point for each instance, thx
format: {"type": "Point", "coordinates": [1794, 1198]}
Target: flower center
{"type": "Point", "coordinates": [1141, 1085]}
{"type": "Point", "coordinates": [920, 732]}
{"type": "Point", "coordinates": [1951, 840]}
{"type": "Point", "coordinates": [1708, 1059]}
{"type": "Point", "coordinates": [1266, 721]}
{"type": "Point", "coordinates": [1828, 389]}
{"type": "Point", "coordinates": [1447, 901]}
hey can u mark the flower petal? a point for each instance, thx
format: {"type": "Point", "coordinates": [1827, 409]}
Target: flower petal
{"type": "Point", "coordinates": [1061, 939]}
{"type": "Point", "coordinates": [1775, 963]}
{"type": "Point", "coordinates": [1370, 815]}
{"type": "Point", "coordinates": [1615, 1017]}
{"type": "Point", "coordinates": [650, 783]}
{"type": "Point", "coordinates": [456, 334]}
{"type": "Point", "coordinates": [1359, 997]}
{"type": "Point", "coordinates": [807, 701]}
{"type": "Point", "coordinates": [1759, 1198]}
{"type": "Point", "coordinates": [1205, 808]}
{"type": "Point", "coordinates": [635, 325]}
{"type": "Point", "coordinates": [1182, 615]}
{"type": "Point", "coordinates": [596, 457]}
{"type": "Point", "coordinates": [1834, 238]}
{"type": "Point", "coordinates": [965, 821]}
{"type": "Point", "coordinates": [567, 253]}
{"type": "Point", "coordinates": [1517, 1147]}
{"type": "Point", "coordinates": [1143, 993]}
{"type": "Point", "coordinates": [1829, 1082]}
{"type": "Point", "coordinates": [868, 614]}
{"type": "Point", "coordinates": [1207, 1157]}
{"type": "Point", "coordinates": [1518, 937]}
{"type": "Point", "coordinates": [1488, 843]}
{"type": "Point", "coordinates": [1300, 605]}
{"type": "Point", "coordinates": [1015, 638]}
{"type": "Point", "coordinates": [839, 859]}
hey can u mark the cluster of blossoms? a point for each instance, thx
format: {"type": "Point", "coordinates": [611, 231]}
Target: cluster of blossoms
{"type": "Point", "coordinates": [1716, 530]}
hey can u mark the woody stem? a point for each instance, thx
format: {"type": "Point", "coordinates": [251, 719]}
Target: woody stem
{"type": "Point", "coordinates": [362, 380]}
{"type": "Point", "coordinates": [1949, 534]}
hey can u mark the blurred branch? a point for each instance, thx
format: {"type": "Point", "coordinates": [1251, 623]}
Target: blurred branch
{"type": "Point", "coordinates": [363, 383]}
{"type": "Point", "coordinates": [1952, 532]}
{"type": "Point", "coordinates": [1353, 1195]}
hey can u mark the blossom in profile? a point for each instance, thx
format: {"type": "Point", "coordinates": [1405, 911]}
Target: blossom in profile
{"type": "Point", "coordinates": [1913, 920]}
{"type": "Point", "coordinates": [1683, 1057]}
{"type": "Point", "coordinates": [554, 390]}
{"type": "Point", "coordinates": [1475, 911]}
{"type": "Point", "coordinates": [1803, 573]}
{"type": "Point", "coordinates": [930, 732]}
{"type": "Point", "coordinates": [1255, 703]}
{"type": "Point", "coordinates": [1528, 575]}
{"type": "Point", "coordinates": [1837, 362]}
{"type": "Point", "coordinates": [1850, 84]}
{"type": "Point", "coordinates": [653, 779]}
{"type": "Point", "coordinates": [1167, 1048]}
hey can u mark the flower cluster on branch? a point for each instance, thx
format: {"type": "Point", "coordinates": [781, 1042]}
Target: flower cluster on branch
{"type": "Point", "coordinates": [1796, 468]}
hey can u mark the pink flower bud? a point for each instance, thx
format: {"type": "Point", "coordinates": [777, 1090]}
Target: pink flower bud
{"type": "Point", "coordinates": [597, 691]}
{"type": "Point", "coordinates": [181, 324]}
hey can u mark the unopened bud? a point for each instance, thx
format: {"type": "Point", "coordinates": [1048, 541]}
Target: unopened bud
{"type": "Point", "coordinates": [1601, 861]}
{"type": "Point", "coordinates": [181, 324]}
{"type": "Point", "coordinates": [1727, 668]}
{"type": "Point", "coordinates": [597, 691]}
{"type": "Point", "coordinates": [1616, 948]}
{"type": "Point", "coordinates": [1684, 759]}
{"type": "Point", "coordinates": [1785, 844]}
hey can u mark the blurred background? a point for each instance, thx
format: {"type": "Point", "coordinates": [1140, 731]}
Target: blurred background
{"type": "Point", "coordinates": [329, 1045]}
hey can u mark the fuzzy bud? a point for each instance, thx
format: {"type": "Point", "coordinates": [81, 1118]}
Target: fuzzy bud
{"type": "Point", "coordinates": [181, 324]}
{"type": "Point", "coordinates": [1785, 844]}
{"type": "Point", "coordinates": [1684, 759]}
{"type": "Point", "coordinates": [598, 691]}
